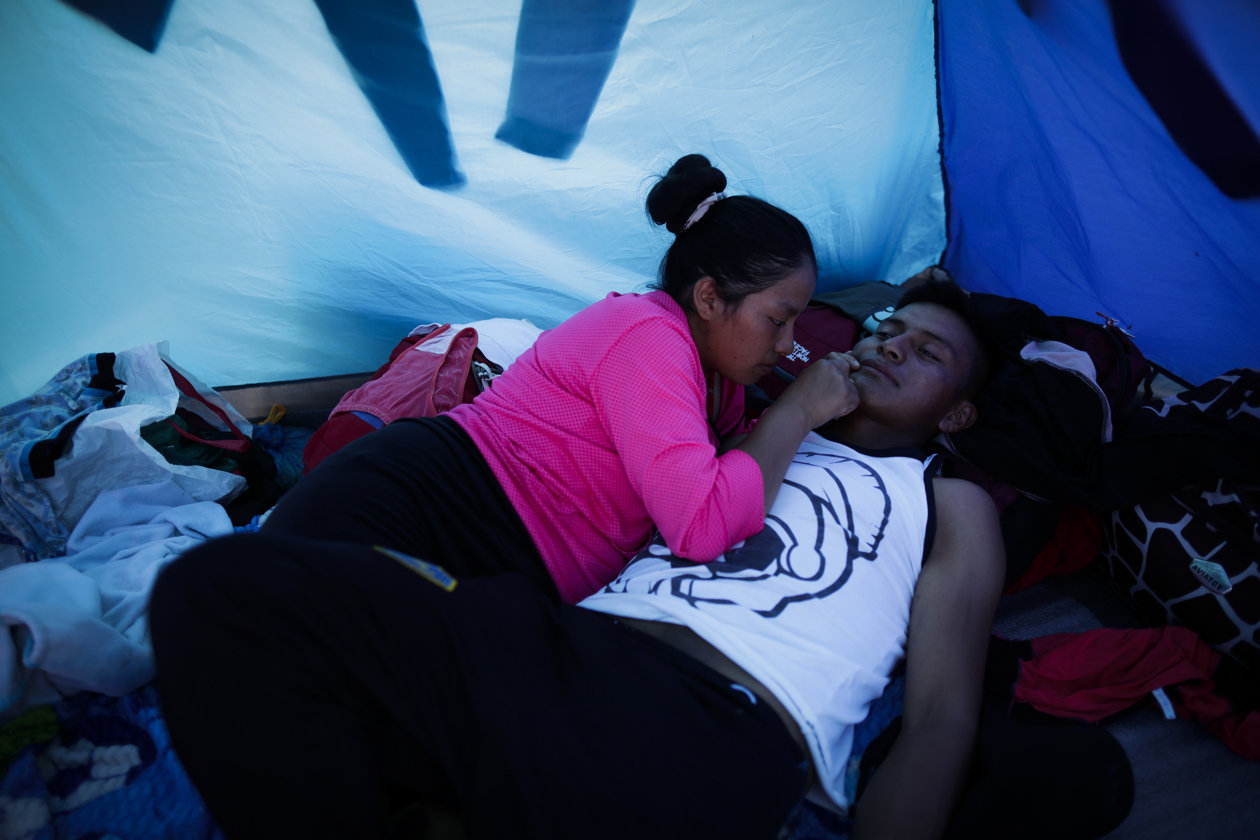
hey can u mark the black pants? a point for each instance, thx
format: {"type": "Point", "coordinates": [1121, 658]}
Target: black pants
{"type": "Point", "coordinates": [299, 677]}
{"type": "Point", "coordinates": [419, 486]}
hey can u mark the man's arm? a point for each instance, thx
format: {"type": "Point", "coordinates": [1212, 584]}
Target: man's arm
{"type": "Point", "coordinates": [914, 791]}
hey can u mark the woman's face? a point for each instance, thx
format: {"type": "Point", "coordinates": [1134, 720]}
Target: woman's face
{"type": "Point", "coordinates": [743, 343]}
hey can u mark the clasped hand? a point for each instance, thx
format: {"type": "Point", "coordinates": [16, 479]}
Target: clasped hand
{"type": "Point", "coordinates": [824, 390]}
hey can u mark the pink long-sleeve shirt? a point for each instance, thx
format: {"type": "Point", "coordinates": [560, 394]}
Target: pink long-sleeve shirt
{"type": "Point", "coordinates": [599, 434]}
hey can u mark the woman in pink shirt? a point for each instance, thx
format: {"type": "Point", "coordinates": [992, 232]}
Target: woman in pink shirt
{"type": "Point", "coordinates": [610, 426]}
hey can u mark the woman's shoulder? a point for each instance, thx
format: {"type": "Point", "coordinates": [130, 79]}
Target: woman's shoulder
{"type": "Point", "coordinates": [619, 314]}
{"type": "Point", "coordinates": [633, 307]}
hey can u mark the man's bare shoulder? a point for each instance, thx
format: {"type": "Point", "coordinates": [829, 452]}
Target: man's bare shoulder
{"type": "Point", "coordinates": [960, 491]}
{"type": "Point", "coordinates": [966, 518]}
{"type": "Point", "coordinates": [958, 497]}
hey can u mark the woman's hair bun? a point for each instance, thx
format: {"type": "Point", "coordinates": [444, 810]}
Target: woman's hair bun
{"type": "Point", "coordinates": [744, 244]}
{"type": "Point", "coordinates": [687, 183]}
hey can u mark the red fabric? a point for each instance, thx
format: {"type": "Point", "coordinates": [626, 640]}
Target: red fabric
{"type": "Point", "coordinates": [1076, 542]}
{"type": "Point", "coordinates": [1240, 730]}
{"type": "Point", "coordinates": [1090, 676]}
{"type": "Point", "coordinates": [424, 381]}
{"type": "Point", "coordinates": [1096, 674]}
{"type": "Point", "coordinates": [340, 429]}
{"type": "Point", "coordinates": [1002, 493]}
{"type": "Point", "coordinates": [333, 435]}
{"type": "Point", "coordinates": [426, 375]}
{"type": "Point", "coordinates": [242, 444]}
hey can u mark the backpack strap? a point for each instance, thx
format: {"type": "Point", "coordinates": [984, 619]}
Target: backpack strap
{"type": "Point", "coordinates": [240, 442]}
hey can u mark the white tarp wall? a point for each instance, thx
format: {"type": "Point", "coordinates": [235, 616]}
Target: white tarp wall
{"type": "Point", "coordinates": [235, 193]}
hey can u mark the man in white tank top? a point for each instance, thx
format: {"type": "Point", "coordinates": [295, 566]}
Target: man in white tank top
{"type": "Point", "coordinates": [812, 614]}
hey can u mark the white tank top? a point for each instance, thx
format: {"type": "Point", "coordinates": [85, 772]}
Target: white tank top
{"type": "Point", "coordinates": [816, 606]}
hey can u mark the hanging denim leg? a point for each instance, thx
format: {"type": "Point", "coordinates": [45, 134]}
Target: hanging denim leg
{"type": "Point", "coordinates": [565, 50]}
{"type": "Point", "coordinates": [383, 42]}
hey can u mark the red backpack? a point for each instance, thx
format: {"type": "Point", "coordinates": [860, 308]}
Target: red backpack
{"type": "Point", "coordinates": [426, 375]}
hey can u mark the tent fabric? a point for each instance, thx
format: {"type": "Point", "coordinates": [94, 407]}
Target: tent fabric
{"type": "Point", "coordinates": [236, 192]}
{"type": "Point", "coordinates": [1165, 46]}
{"type": "Point", "coordinates": [1067, 190]}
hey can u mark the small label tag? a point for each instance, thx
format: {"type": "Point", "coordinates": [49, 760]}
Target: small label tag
{"type": "Point", "coordinates": [1165, 704]}
{"type": "Point", "coordinates": [799, 353]}
{"type": "Point", "coordinates": [434, 574]}
{"type": "Point", "coordinates": [1212, 575]}
{"type": "Point", "coordinates": [872, 323]}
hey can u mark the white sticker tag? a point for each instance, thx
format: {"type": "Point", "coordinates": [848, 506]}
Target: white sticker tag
{"type": "Point", "coordinates": [872, 323]}
{"type": "Point", "coordinates": [798, 352]}
{"type": "Point", "coordinates": [1212, 575]}
{"type": "Point", "coordinates": [1165, 704]}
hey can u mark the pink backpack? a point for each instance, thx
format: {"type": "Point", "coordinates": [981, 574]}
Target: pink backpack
{"type": "Point", "coordinates": [425, 376]}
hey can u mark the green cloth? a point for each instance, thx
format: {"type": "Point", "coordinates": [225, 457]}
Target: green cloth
{"type": "Point", "coordinates": [37, 726]}
{"type": "Point", "coordinates": [177, 449]}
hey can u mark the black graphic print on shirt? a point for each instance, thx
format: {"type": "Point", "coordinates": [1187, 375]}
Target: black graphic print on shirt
{"type": "Point", "coordinates": [819, 527]}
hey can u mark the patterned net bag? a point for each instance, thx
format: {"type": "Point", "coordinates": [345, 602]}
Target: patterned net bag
{"type": "Point", "coordinates": [1192, 557]}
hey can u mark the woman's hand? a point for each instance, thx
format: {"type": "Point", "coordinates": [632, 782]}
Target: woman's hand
{"type": "Point", "coordinates": [821, 393]}
{"type": "Point", "coordinates": [824, 390]}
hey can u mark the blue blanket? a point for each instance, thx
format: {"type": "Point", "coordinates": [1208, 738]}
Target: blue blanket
{"type": "Point", "coordinates": [109, 772]}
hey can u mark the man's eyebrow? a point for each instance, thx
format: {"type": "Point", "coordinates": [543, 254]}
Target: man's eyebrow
{"type": "Point", "coordinates": [939, 339]}
{"type": "Point", "coordinates": [952, 350]}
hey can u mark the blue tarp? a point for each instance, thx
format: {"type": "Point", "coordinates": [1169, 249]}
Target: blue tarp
{"type": "Point", "coordinates": [251, 190]}
{"type": "Point", "coordinates": [1066, 189]}
{"type": "Point", "coordinates": [249, 180]}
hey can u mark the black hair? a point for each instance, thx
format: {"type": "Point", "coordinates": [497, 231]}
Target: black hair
{"type": "Point", "coordinates": [745, 244]}
{"type": "Point", "coordinates": [948, 294]}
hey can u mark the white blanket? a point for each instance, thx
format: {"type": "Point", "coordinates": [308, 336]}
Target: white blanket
{"type": "Point", "coordinates": [78, 622]}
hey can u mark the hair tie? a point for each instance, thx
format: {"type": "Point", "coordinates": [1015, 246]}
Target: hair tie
{"type": "Point", "coordinates": [703, 208]}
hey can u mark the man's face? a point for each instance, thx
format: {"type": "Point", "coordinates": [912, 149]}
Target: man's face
{"type": "Point", "coordinates": [915, 368]}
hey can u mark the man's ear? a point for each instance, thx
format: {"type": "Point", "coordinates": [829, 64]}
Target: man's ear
{"type": "Point", "coordinates": [706, 300]}
{"type": "Point", "coordinates": [959, 418]}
